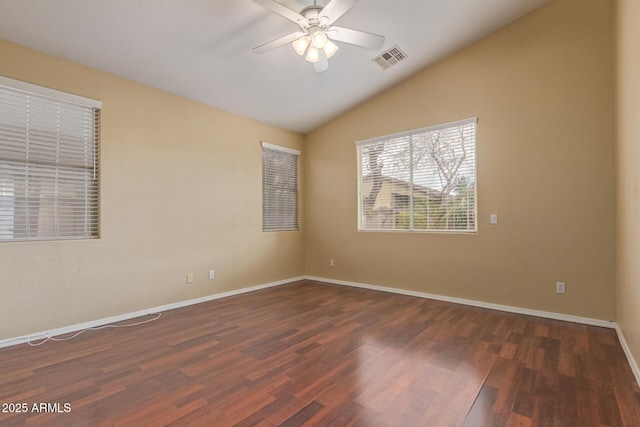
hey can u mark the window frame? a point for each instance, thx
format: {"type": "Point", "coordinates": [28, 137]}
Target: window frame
{"type": "Point", "coordinates": [58, 172]}
{"type": "Point", "coordinates": [265, 221]}
{"type": "Point", "coordinates": [410, 133]}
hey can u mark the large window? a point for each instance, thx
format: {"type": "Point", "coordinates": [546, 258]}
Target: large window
{"type": "Point", "coordinates": [48, 163]}
{"type": "Point", "coordinates": [421, 180]}
{"type": "Point", "coordinates": [279, 188]}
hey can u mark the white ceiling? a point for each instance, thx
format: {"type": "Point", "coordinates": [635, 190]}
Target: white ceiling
{"type": "Point", "coordinates": [201, 49]}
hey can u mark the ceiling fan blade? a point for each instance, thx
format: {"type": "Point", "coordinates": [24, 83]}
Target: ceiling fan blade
{"type": "Point", "coordinates": [281, 10]}
{"type": "Point", "coordinates": [323, 63]}
{"type": "Point", "coordinates": [278, 42]}
{"type": "Point", "coordinates": [358, 38]}
{"type": "Point", "coordinates": [335, 9]}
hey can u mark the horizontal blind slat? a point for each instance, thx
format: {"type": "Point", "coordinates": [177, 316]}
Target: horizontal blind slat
{"type": "Point", "coordinates": [279, 189]}
{"type": "Point", "coordinates": [49, 149]}
{"type": "Point", "coordinates": [419, 180]}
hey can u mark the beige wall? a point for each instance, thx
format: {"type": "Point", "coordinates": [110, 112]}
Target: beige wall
{"type": "Point", "coordinates": [628, 158]}
{"type": "Point", "coordinates": [181, 192]}
{"type": "Point", "coordinates": [181, 187]}
{"type": "Point", "coordinates": [542, 89]}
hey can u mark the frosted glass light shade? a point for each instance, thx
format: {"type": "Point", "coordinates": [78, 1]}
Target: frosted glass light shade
{"type": "Point", "coordinates": [301, 45]}
{"type": "Point", "coordinates": [330, 49]}
{"type": "Point", "coordinates": [318, 39]}
{"type": "Point", "coordinates": [313, 55]}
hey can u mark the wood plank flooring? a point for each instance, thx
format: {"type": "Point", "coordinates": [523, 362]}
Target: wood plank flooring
{"type": "Point", "coordinates": [310, 353]}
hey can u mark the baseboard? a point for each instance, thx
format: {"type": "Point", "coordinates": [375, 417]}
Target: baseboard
{"type": "Point", "coordinates": [473, 303]}
{"type": "Point", "coordinates": [108, 320]}
{"type": "Point", "coordinates": [518, 310]}
{"type": "Point", "coordinates": [627, 352]}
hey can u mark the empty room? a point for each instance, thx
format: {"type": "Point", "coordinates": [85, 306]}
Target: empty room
{"type": "Point", "coordinates": [319, 213]}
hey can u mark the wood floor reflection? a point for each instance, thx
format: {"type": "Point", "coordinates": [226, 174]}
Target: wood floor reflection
{"type": "Point", "coordinates": [310, 353]}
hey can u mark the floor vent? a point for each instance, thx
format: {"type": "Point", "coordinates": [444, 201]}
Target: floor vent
{"type": "Point", "coordinates": [390, 57]}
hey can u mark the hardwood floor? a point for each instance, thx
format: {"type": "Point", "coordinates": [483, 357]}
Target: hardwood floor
{"type": "Point", "coordinates": [310, 353]}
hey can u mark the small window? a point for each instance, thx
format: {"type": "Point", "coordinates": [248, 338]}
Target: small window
{"type": "Point", "coordinates": [421, 180]}
{"type": "Point", "coordinates": [279, 188]}
{"type": "Point", "coordinates": [48, 163]}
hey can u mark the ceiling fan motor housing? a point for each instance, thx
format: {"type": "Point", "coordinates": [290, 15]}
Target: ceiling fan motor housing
{"type": "Point", "coordinates": [312, 15]}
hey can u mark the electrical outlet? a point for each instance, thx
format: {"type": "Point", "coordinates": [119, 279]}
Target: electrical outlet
{"type": "Point", "coordinates": [493, 218]}
{"type": "Point", "coordinates": [212, 274]}
{"type": "Point", "coordinates": [332, 263]}
{"type": "Point", "coordinates": [560, 288]}
{"type": "Point", "coordinates": [189, 277]}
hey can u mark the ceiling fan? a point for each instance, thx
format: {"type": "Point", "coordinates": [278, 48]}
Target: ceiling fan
{"type": "Point", "coordinates": [317, 31]}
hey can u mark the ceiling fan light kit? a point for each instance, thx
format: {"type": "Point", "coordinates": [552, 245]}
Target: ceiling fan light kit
{"type": "Point", "coordinates": [317, 42]}
{"type": "Point", "coordinates": [317, 32]}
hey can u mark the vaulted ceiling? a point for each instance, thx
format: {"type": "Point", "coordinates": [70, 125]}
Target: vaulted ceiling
{"type": "Point", "coordinates": [201, 49]}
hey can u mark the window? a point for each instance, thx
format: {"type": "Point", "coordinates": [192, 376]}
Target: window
{"type": "Point", "coordinates": [279, 188]}
{"type": "Point", "coordinates": [421, 180]}
{"type": "Point", "coordinates": [48, 163]}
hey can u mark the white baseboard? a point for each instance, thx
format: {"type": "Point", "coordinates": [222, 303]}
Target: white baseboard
{"type": "Point", "coordinates": [480, 304]}
{"type": "Point", "coordinates": [119, 318]}
{"type": "Point", "coordinates": [627, 352]}
{"type": "Point", "coordinates": [108, 320]}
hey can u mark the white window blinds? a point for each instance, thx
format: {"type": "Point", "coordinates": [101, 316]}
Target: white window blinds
{"type": "Point", "coordinates": [279, 188]}
{"type": "Point", "coordinates": [48, 164]}
{"type": "Point", "coordinates": [422, 180]}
